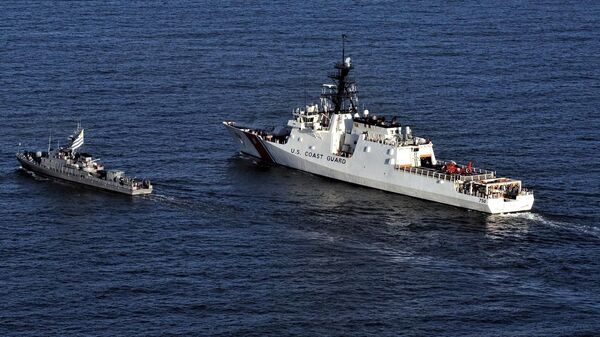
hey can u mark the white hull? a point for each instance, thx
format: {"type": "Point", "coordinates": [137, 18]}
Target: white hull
{"type": "Point", "coordinates": [304, 151]}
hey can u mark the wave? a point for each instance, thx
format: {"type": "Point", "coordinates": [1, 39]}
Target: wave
{"type": "Point", "coordinates": [525, 215]}
{"type": "Point", "coordinates": [167, 199]}
{"type": "Point", "coordinates": [536, 218]}
{"type": "Point", "coordinates": [392, 254]}
{"type": "Point", "coordinates": [209, 205]}
{"type": "Point", "coordinates": [33, 175]}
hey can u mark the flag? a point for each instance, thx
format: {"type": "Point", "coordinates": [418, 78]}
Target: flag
{"type": "Point", "coordinates": [77, 142]}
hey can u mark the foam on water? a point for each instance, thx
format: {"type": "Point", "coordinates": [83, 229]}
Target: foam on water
{"type": "Point", "coordinates": [229, 247]}
{"type": "Point", "coordinates": [33, 175]}
{"type": "Point", "coordinates": [538, 219]}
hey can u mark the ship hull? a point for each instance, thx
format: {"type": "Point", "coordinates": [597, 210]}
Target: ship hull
{"type": "Point", "coordinates": [305, 152]}
{"type": "Point", "coordinates": [81, 179]}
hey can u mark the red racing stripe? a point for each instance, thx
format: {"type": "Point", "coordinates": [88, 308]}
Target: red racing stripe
{"type": "Point", "coordinates": [264, 154]}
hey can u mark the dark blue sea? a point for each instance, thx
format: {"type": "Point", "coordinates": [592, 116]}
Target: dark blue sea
{"type": "Point", "coordinates": [227, 246]}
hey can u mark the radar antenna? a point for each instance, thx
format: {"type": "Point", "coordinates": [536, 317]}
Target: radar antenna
{"type": "Point", "coordinates": [344, 88]}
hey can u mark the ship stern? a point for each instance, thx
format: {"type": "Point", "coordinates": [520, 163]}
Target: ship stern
{"type": "Point", "coordinates": [522, 203]}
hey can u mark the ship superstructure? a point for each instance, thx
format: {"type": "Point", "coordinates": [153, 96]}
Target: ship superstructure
{"type": "Point", "coordinates": [332, 139]}
{"type": "Point", "coordinates": [69, 164]}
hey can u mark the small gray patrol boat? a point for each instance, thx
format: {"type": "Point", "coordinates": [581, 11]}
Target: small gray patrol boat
{"type": "Point", "coordinates": [67, 163]}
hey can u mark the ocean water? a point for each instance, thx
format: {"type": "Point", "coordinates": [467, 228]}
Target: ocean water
{"type": "Point", "coordinates": [229, 247]}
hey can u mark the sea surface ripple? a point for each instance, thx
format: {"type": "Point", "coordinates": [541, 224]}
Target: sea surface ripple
{"type": "Point", "coordinates": [229, 247]}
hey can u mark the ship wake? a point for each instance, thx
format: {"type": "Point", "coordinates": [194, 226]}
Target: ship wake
{"type": "Point", "coordinates": [33, 175]}
{"type": "Point", "coordinates": [538, 219]}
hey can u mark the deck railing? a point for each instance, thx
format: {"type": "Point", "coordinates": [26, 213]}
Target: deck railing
{"type": "Point", "coordinates": [475, 169]}
{"type": "Point", "coordinates": [427, 173]}
{"type": "Point", "coordinates": [448, 176]}
{"type": "Point", "coordinates": [491, 195]}
{"type": "Point", "coordinates": [461, 188]}
{"type": "Point", "coordinates": [477, 177]}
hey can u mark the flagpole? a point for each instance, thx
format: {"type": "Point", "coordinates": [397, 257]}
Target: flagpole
{"type": "Point", "coordinates": [343, 48]}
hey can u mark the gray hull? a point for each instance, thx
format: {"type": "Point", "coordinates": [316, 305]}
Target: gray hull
{"type": "Point", "coordinates": [80, 177]}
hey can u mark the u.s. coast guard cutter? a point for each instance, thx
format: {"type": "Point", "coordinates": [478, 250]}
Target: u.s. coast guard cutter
{"type": "Point", "coordinates": [333, 140]}
{"type": "Point", "coordinates": [67, 163]}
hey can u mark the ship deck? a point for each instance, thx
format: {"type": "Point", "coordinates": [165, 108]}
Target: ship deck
{"type": "Point", "coordinates": [438, 173]}
{"type": "Point", "coordinates": [480, 183]}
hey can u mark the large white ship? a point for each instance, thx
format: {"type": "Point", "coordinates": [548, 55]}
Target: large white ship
{"type": "Point", "coordinates": [332, 139]}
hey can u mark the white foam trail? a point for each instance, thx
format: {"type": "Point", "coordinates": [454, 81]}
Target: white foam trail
{"type": "Point", "coordinates": [33, 175]}
{"type": "Point", "coordinates": [182, 203]}
{"type": "Point", "coordinates": [530, 216]}
{"type": "Point", "coordinates": [540, 219]}
{"type": "Point", "coordinates": [166, 199]}
{"type": "Point", "coordinates": [159, 197]}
